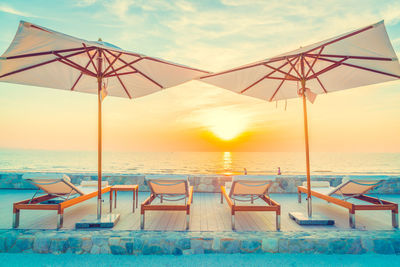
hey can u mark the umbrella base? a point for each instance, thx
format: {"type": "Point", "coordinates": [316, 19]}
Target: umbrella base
{"type": "Point", "coordinates": [303, 219]}
{"type": "Point", "coordinates": [91, 221]}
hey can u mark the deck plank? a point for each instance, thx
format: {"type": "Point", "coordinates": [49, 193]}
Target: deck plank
{"type": "Point", "coordinates": [207, 214]}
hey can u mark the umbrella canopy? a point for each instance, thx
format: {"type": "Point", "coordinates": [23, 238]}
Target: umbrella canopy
{"type": "Point", "coordinates": [358, 58]}
{"type": "Point", "coordinates": [46, 58]}
{"type": "Point", "coordinates": [42, 57]}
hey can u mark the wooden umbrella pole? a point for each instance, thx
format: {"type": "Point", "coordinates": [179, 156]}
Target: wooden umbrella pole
{"type": "Point", "coordinates": [309, 205]}
{"type": "Point", "coordinates": [99, 138]}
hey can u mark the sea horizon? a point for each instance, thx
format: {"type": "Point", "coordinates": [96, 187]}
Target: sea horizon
{"type": "Point", "coordinates": [204, 163]}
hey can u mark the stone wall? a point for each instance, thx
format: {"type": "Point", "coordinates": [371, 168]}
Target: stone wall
{"type": "Point", "coordinates": [206, 183]}
{"type": "Point", "coordinates": [184, 243]}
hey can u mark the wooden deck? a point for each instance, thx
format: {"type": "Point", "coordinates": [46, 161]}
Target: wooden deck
{"type": "Point", "coordinates": [207, 214]}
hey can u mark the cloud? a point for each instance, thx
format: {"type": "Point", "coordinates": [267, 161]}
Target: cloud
{"type": "Point", "coordinates": [83, 3]}
{"type": "Point", "coordinates": [214, 37]}
{"type": "Point", "coordinates": [392, 14]}
{"type": "Point", "coordinates": [10, 10]}
{"type": "Point", "coordinates": [237, 3]}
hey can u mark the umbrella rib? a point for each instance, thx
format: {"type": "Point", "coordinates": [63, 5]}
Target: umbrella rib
{"type": "Point", "coordinates": [144, 75]}
{"type": "Point", "coordinates": [38, 28]}
{"type": "Point", "coordinates": [253, 84]}
{"type": "Point", "coordinates": [48, 52]}
{"type": "Point", "coordinates": [121, 74]}
{"type": "Point", "coordinates": [293, 67]}
{"type": "Point", "coordinates": [315, 60]}
{"type": "Point", "coordinates": [248, 66]}
{"type": "Point", "coordinates": [330, 67]}
{"type": "Point", "coordinates": [286, 74]}
{"type": "Point", "coordinates": [354, 57]}
{"type": "Point", "coordinates": [75, 65]}
{"type": "Point", "coordinates": [280, 78]}
{"type": "Point", "coordinates": [341, 38]}
{"type": "Point", "coordinates": [364, 68]}
{"type": "Point", "coordinates": [119, 79]}
{"type": "Point", "coordinates": [122, 67]}
{"type": "Point", "coordinates": [266, 76]}
{"type": "Point", "coordinates": [276, 91]}
{"type": "Point", "coordinates": [90, 58]}
{"type": "Point", "coordinates": [280, 85]}
{"type": "Point", "coordinates": [319, 81]}
{"type": "Point", "coordinates": [39, 64]}
{"type": "Point", "coordinates": [112, 63]}
{"type": "Point", "coordinates": [81, 74]}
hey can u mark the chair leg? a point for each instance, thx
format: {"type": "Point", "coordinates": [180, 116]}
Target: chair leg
{"type": "Point", "coordinates": [111, 200]}
{"type": "Point", "coordinates": [233, 221]}
{"type": "Point", "coordinates": [395, 219]}
{"type": "Point", "coordinates": [161, 199]}
{"type": "Point", "coordinates": [137, 197]}
{"type": "Point", "coordinates": [278, 222]}
{"type": "Point", "coordinates": [187, 221]}
{"type": "Point", "coordinates": [133, 203]}
{"type": "Point", "coordinates": [142, 220]}
{"type": "Point", "coordinates": [299, 196]}
{"type": "Point", "coordinates": [222, 199]}
{"type": "Point", "coordinates": [60, 220]}
{"type": "Point", "coordinates": [352, 220]}
{"type": "Point", "coordinates": [16, 219]}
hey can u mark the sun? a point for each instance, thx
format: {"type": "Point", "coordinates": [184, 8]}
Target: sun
{"type": "Point", "coordinates": [226, 125]}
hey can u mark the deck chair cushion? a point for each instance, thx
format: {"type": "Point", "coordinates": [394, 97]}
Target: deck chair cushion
{"type": "Point", "coordinates": [354, 187]}
{"type": "Point", "coordinates": [53, 183]}
{"type": "Point", "coordinates": [250, 185]}
{"type": "Point", "coordinates": [168, 184]}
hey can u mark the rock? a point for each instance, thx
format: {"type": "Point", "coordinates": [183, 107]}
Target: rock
{"type": "Point", "coordinates": [367, 244]}
{"type": "Point", "coordinates": [99, 240]}
{"type": "Point", "coordinates": [118, 250]}
{"type": "Point", "coordinates": [2, 244]}
{"type": "Point", "coordinates": [114, 241]}
{"type": "Point", "coordinates": [23, 242]}
{"type": "Point", "coordinates": [95, 250]}
{"type": "Point", "coordinates": [137, 244]}
{"type": "Point", "coordinates": [10, 237]}
{"type": "Point", "coordinates": [183, 243]}
{"type": "Point", "coordinates": [270, 245]}
{"type": "Point", "coordinates": [42, 244]}
{"type": "Point", "coordinates": [216, 245]}
{"type": "Point", "coordinates": [152, 246]}
{"type": "Point", "coordinates": [230, 245]}
{"type": "Point", "coordinates": [58, 245]}
{"type": "Point", "coordinates": [383, 246]}
{"type": "Point", "coordinates": [300, 245]}
{"type": "Point", "coordinates": [86, 245]}
{"type": "Point", "coordinates": [250, 246]}
{"type": "Point", "coordinates": [188, 252]}
{"type": "Point", "coordinates": [283, 245]}
{"type": "Point", "coordinates": [177, 252]}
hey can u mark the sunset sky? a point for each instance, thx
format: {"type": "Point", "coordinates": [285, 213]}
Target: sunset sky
{"type": "Point", "coordinates": [211, 35]}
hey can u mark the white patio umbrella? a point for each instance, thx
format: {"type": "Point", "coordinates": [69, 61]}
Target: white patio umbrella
{"type": "Point", "coordinates": [42, 57]}
{"type": "Point", "coordinates": [358, 58]}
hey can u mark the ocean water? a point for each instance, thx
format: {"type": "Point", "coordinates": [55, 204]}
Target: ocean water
{"type": "Point", "coordinates": [322, 163]}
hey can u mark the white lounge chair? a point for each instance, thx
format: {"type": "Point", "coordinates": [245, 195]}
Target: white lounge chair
{"type": "Point", "coordinates": [59, 194]}
{"type": "Point", "coordinates": [348, 189]}
{"type": "Point", "coordinates": [168, 188]}
{"type": "Point", "coordinates": [247, 188]}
